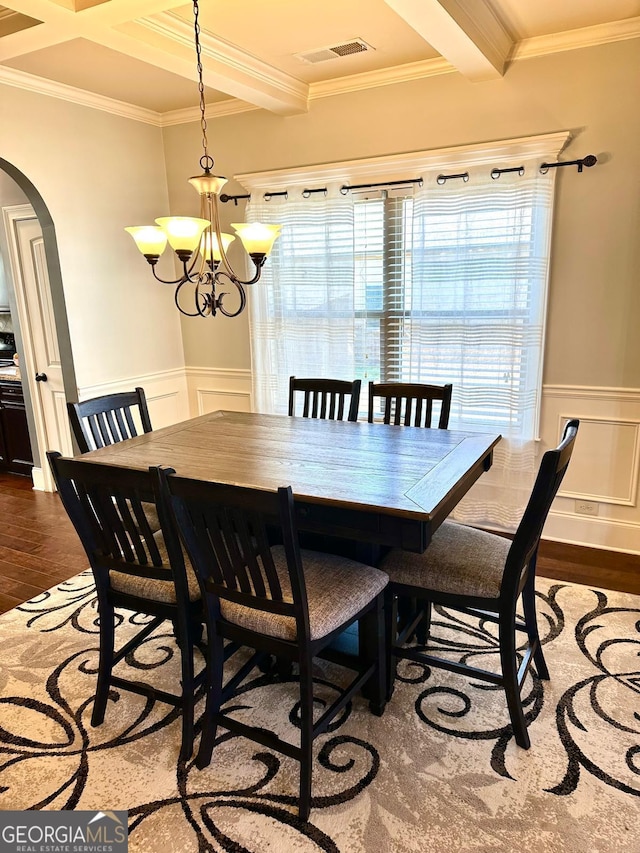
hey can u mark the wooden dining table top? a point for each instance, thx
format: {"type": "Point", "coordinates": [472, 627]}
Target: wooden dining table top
{"type": "Point", "coordinates": [394, 484]}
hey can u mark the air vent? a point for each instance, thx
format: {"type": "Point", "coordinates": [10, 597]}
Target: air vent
{"type": "Point", "coordinates": [337, 51]}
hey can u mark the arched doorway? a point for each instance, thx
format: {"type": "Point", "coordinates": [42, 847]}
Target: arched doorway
{"type": "Point", "coordinates": [29, 249]}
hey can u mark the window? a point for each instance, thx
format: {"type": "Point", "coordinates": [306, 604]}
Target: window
{"type": "Point", "coordinates": [443, 286]}
{"type": "Point", "coordinates": [446, 283]}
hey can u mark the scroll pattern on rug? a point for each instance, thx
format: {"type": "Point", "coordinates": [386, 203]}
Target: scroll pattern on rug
{"type": "Point", "coordinates": [584, 726]}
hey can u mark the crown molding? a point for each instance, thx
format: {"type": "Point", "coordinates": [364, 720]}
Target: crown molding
{"type": "Point", "coordinates": [53, 89]}
{"type": "Point", "coordinates": [527, 49]}
{"type": "Point", "coordinates": [323, 89]}
{"type": "Point", "coordinates": [218, 109]}
{"type": "Point", "coordinates": [172, 26]}
{"type": "Point", "coordinates": [576, 39]}
{"type": "Point", "coordinates": [383, 77]}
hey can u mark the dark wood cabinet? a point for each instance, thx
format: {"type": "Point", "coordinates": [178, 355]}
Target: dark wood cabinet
{"type": "Point", "coordinates": [15, 447]}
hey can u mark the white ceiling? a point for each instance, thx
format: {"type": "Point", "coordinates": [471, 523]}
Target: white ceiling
{"type": "Point", "coordinates": [140, 52]}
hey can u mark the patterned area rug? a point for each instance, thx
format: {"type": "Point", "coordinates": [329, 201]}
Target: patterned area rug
{"type": "Point", "coordinates": [438, 772]}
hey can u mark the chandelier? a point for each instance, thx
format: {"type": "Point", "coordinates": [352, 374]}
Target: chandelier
{"type": "Point", "coordinates": [199, 244]}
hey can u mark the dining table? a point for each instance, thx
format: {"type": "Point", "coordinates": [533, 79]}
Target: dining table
{"type": "Point", "coordinates": [372, 484]}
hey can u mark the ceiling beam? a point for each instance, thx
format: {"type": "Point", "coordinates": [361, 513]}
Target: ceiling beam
{"type": "Point", "coordinates": [465, 32]}
{"type": "Point", "coordinates": [26, 41]}
{"type": "Point", "coordinates": [166, 40]}
{"type": "Point", "coordinates": [163, 39]}
{"type": "Point", "coordinates": [107, 13]}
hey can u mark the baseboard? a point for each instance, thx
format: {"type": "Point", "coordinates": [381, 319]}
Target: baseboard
{"type": "Point", "coordinates": [603, 533]}
{"type": "Point", "coordinates": [37, 475]}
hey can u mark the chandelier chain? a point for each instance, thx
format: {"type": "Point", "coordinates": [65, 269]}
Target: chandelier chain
{"type": "Point", "coordinates": [206, 160]}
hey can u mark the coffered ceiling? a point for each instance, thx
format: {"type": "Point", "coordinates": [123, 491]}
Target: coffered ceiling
{"type": "Point", "coordinates": [280, 54]}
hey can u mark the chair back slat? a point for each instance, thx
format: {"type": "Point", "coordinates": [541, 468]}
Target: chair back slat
{"type": "Point", "coordinates": [126, 412]}
{"type": "Point", "coordinates": [127, 518]}
{"type": "Point", "coordinates": [225, 531]}
{"type": "Point", "coordinates": [107, 507]}
{"type": "Point", "coordinates": [115, 426]}
{"type": "Point", "coordinates": [109, 419]}
{"type": "Point", "coordinates": [247, 550]}
{"type": "Point", "coordinates": [234, 546]}
{"type": "Point", "coordinates": [527, 537]}
{"type": "Point", "coordinates": [409, 403]}
{"type": "Point", "coordinates": [98, 431]}
{"type": "Point", "coordinates": [325, 398]}
{"type": "Point", "coordinates": [221, 568]}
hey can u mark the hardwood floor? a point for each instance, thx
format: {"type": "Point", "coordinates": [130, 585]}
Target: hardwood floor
{"type": "Point", "coordinates": [39, 548]}
{"type": "Point", "coordinates": [589, 566]}
{"type": "Point", "coordinates": [38, 545]}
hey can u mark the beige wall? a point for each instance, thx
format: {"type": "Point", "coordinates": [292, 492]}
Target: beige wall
{"type": "Point", "coordinates": [10, 192]}
{"type": "Point", "coordinates": [97, 173]}
{"type": "Point", "coordinates": [594, 309]}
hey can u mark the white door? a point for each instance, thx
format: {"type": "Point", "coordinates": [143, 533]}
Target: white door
{"type": "Point", "coordinates": [40, 340]}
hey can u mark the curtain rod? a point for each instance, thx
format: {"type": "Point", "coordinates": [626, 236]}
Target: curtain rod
{"type": "Point", "coordinates": [588, 161]}
{"type": "Point", "coordinates": [347, 189]}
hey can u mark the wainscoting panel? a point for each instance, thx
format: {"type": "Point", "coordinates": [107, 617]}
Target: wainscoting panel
{"type": "Point", "coordinates": [167, 399]}
{"type": "Point", "coordinates": [211, 389]}
{"type": "Point", "coordinates": [598, 503]}
{"type": "Point", "coordinates": [212, 401]}
{"type": "Point", "coordinates": [605, 466]}
{"type": "Point", "coordinates": [166, 393]}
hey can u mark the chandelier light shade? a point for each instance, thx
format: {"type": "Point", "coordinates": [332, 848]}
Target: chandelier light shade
{"type": "Point", "coordinates": [183, 233]}
{"type": "Point", "coordinates": [199, 243]}
{"type": "Point", "coordinates": [257, 239]}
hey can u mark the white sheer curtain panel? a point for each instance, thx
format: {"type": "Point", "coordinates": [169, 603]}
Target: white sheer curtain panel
{"type": "Point", "coordinates": [475, 316]}
{"type": "Point", "coordinates": [302, 310]}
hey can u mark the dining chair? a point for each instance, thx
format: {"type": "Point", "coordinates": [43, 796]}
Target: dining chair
{"type": "Point", "coordinates": [482, 574]}
{"type": "Point", "coordinates": [277, 599]}
{"type": "Point", "coordinates": [108, 419]}
{"type": "Point", "coordinates": [325, 398]}
{"type": "Point", "coordinates": [409, 403]}
{"type": "Point", "coordinates": [108, 506]}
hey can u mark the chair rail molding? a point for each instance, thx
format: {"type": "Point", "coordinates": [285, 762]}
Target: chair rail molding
{"type": "Point", "coordinates": [166, 393]}
{"type": "Point", "coordinates": [212, 388]}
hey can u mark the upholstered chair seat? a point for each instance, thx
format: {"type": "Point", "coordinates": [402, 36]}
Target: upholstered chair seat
{"type": "Point", "coordinates": [460, 560]}
{"type": "Point", "coordinates": [151, 588]}
{"type": "Point", "coordinates": [337, 589]}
